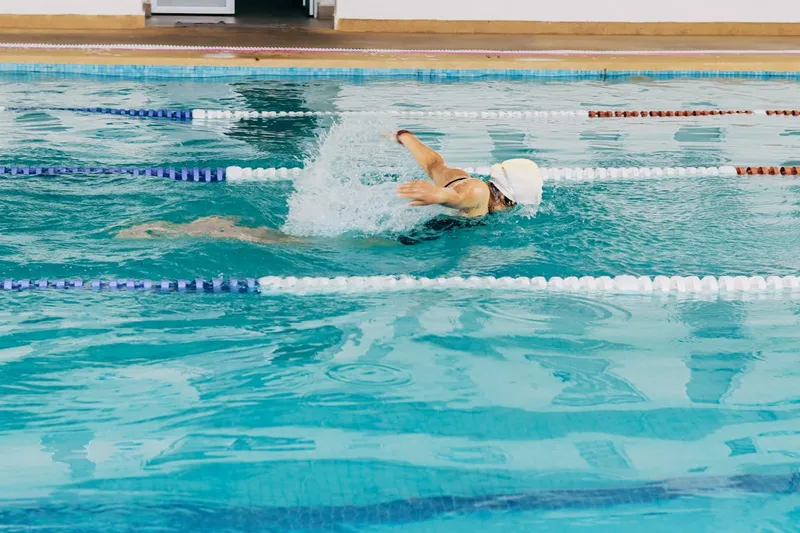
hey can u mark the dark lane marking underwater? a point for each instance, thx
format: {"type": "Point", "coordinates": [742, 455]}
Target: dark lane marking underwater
{"type": "Point", "coordinates": [200, 517]}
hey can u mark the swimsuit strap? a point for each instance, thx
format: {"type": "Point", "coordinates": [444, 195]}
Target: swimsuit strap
{"type": "Point", "coordinates": [456, 181]}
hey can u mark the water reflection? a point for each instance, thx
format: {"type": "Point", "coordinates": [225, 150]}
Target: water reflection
{"type": "Point", "coordinates": [288, 141]}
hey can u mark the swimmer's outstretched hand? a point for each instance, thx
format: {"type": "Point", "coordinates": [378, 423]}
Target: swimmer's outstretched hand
{"type": "Point", "coordinates": [392, 136]}
{"type": "Point", "coordinates": [423, 192]}
{"type": "Point", "coordinates": [395, 135]}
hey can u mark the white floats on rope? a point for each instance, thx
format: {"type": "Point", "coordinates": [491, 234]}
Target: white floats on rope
{"type": "Point", "coordinates": [247, 174]}
{"type": "Point", "coordinates": [626, 284]}
{"type": "Point", "coordinates": [235, 174]}
{"type": "Point", "coordinates": [723, 286]}
{"type": "Point", "coordinates": [231, 114]}
{"type": "Point", "coordinates": [240, 114]}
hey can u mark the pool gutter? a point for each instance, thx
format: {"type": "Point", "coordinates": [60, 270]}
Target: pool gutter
{"type": "Point", "coordinates": [183, 52]}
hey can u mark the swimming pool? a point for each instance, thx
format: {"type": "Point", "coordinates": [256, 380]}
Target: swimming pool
{"type": "Point", "coordinates": [411, 411]}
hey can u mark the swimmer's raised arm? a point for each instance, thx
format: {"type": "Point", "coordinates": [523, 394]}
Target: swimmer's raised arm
{"type": "Point", "coordinates": [454, 188]}
{"type": "Point", "coordinates": [428, 159]}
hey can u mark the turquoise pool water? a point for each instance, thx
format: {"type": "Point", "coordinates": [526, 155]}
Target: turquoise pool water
{"type": "Point", "coordinates": [458, 411]}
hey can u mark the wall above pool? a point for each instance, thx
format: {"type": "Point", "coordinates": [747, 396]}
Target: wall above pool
{"type": "Point", "coordinates": [622, 17]}
{"type": "Point", "coordinates": [72, 14]}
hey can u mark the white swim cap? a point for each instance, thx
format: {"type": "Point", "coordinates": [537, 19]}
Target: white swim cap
{"type": "Point", "coordinates": [519, 180]}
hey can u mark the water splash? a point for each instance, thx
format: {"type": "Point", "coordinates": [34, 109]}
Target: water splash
{"type": "Point", "coordinates": [350, 187]}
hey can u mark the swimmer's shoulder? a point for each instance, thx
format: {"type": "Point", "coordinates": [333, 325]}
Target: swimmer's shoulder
{"type": "Point", "coordinates": [478, 190]}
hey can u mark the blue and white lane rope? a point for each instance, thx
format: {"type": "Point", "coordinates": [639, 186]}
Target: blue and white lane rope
{"type": "Point", "coordinates": [235, 174]}
{"type": "Point", "coordinates": [626, 284]}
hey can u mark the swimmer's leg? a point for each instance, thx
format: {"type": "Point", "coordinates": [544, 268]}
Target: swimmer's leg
{"type": "Point", "coordinates": [149, 231]}
{"type": "Point", "coordinates": [208, 227]}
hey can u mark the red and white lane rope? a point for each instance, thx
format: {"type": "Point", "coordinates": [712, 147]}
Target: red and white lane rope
{"type": "Point", "coordinates": [335, 50]}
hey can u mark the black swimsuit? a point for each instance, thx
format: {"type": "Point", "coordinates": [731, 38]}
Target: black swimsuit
{"type": "Point", "coordinates": [433, 228]}
{"type": "Point", "coordinates": [462, 178]}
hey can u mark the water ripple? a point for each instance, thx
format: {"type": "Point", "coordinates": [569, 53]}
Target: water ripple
{"type": "Point", "coordinates": [369, 374]}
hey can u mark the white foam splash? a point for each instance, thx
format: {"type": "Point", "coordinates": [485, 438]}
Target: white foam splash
{"type": "Point", "coordinates": [345, 189]}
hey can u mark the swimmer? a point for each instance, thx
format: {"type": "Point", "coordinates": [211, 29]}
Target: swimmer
{"type": "Point", "coordinates": [511, 183]}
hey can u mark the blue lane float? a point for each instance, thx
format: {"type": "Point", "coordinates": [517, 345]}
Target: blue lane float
{"type": "Point", "coordinates": [173, 114]}
{"type": "Point", "coordinates": [174, 173]}
{"type": "Point", "coordinates": [165, 285]}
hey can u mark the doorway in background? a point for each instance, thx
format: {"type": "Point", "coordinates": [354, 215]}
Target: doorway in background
{"type": "Point", "coordinates": [220, 13]}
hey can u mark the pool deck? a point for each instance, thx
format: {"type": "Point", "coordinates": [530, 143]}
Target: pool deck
{"type": "Point", "coordinates": [429, 50]}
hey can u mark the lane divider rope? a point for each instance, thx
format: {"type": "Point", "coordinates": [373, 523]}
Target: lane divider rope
{"type": "Point", "coordinates": [197, 285]}
{"type": "Point", "coordinates": [231, 115]}
{"type": "Point", "coordinates": [218, 114]}
{"type": "Point", "coordinates": [238, 174]}
{"type": "Point", "coordinates": [178, 174]}
{"type": "Point", "coordinates": [174, 114]}
{"type": "Point", "coordinates": [311, 50]}
{"type": "Point", "coordinates": [235, 174]}
{"type": "Point", "coordinates": [587, 284]}
{"type": "Point", "coordinates": [625, 284]}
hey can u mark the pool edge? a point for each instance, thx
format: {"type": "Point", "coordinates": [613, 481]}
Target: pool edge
{"type": "Point", "coordinates": [200, 71]}
{"type": "Point", "coordinates": [201, 61]}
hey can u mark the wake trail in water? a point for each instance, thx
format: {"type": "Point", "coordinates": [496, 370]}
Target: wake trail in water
{"type": "Point", "coordinates": [349, 188]}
